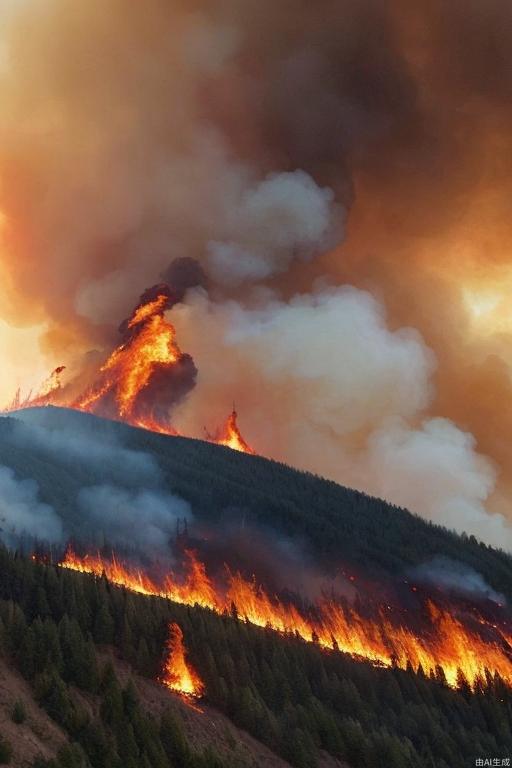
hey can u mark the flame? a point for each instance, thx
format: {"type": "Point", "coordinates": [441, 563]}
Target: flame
{"type": "Point", "coordinates": [149, 347]}
{"type": "Point", "coordinates": [178, 674]}
{"type": "Point", "coordinates": [130, 367]}
{"type": "Point", "coordinates": [146, 311]}
{"type": "Point", "coordinates": [440, 639]}
{"type": "Point", "coordinates": [152, 425]}
{"type": "Point", "coordinates": [44, 395]}
{"type": "Point", "coordinates": [230, 436]}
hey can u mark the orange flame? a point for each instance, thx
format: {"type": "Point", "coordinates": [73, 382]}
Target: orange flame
{"type": "Point", "coordinates": [44, 395]}
{"type": "Point", "coordinates": [150, 348]}
{"type": "Point", "coordinates": [152, 425]}
{"type": "Point", "coordinates": [230, 436]}
{"type": "Point", "coordinates": [443, 640]}
{"type": "Point", "coordinates": [130, 367]}
{"type": "Point", "coordinates": [178, 674]}
{"type": "Point", "coordinates": [146, 311]}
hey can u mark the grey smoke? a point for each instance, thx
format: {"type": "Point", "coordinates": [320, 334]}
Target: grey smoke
{"type": "Point", "coordinates": [22, 514]}
{"type": "Point", "coordinates": [101, 454]}
{"type": "Point", "coordinates": [144, 519]}
{"type": "Point", "coordinates": [348, 398]}
{"type": "Point", "coordinates": [452, 576]}
{"type": "Point", "coordinates": [108, 492]}
{"type": "Point", "coordinates": [184, 273]}
{"type": "Point", "coordinates": [434, 469]}
{"type": "Point", "coordinates": [284, 217]}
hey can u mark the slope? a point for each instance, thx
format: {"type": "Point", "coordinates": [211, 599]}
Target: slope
{"type": "Point", "coordinates": [58, 449]}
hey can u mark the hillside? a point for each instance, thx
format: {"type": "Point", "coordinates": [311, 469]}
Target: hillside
{"type": "Point", "coordinates": [39, 737]}
{"type": "Point", "coordinates": [65, 450]}
{"type": "Point", "coordinates": [311, 708]}
{"type": "Point", "coordinates": [84, 654]}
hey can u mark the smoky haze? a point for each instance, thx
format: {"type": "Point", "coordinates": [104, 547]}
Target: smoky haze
{"type": "Point", "coordinates": [337, 178]}
{"type": "Point", "coordinates": [118, 495]}
{"type": "Point", "coordinates": [457, 578]}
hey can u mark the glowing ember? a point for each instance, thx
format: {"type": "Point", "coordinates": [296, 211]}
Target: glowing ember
{"type": "Point", "coordinates": [152, 425]}
{"type": "Point", "coordinates": [443, 639]}
{"type": "Point", "coordinates": [230, 436]}
{"type": "Point", "coordinates": [178, 674]}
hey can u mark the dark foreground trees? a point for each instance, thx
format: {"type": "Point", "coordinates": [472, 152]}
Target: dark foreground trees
{"type": "Point", "coordinates": [291, 695]}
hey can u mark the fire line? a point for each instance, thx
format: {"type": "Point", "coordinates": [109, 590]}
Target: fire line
{"type": "Point", "coordinates": [445, 640]}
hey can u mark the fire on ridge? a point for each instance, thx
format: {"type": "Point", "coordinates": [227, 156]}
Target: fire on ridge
{"type": "Point", "coordinates": [145, 376]}
{"type": "Point", "coordinates": [436, 640]}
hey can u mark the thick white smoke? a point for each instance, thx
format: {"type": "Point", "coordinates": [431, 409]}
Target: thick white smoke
{"type": "Point", "coordinates": [325, 361]}
{"type": "Point", "coordinates": [23, 516]}
{"type": "Point", "coordinates": [436, 471]}
{"type": "Point", "coordinates": [345, 399]}
{"type": "Point", "coordinates": [284, 217]}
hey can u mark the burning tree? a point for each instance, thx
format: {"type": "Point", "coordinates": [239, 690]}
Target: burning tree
{"type": "Point", "coordinates": [178, 674]}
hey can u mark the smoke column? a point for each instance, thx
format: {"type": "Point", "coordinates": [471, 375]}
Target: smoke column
{"type": "Point", "coordinates": [340, 176]}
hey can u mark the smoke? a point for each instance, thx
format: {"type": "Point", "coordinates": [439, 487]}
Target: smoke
{"type": "Point", "coordinates": [353, 143]}
{"type": "Point", "coordinates": [114, 514]}
{"type": "Point", "coordinates": [22, 514]}
{"type": "Point", "coordinates": [285, 217]}
{"type": "Point", "coordinates": [328, 361]}
{"type": "Point", "coordinates": [347, 400]}
{"type": "Point", "coordinates": [100, 454]}
{"type": "Point", "coordinates": [454, 577]}
{"type": "Point", "coordinates": [436, 471]}
{"type": "Point", "coordinates": [184, 273]}
{"type": "Point", "coordinates": [108, 493]}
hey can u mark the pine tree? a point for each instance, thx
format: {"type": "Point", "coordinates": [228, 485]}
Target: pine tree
{"type": "Point", "coordinates": [103, 626]}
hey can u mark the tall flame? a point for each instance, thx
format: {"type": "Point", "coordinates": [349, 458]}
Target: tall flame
{"type": "Point", "coordinates": [127, 372]}
{"type": "Point", "coordinates": [178, 674]}
{"type": "Point", "coordinates": [146, 367]}
{"type": "Point", "coordinates": [230, 435]}
{"type": "Point", "coordinates": [435, 638]}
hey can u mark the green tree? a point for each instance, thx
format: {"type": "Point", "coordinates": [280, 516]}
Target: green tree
{"type": "Point", "coordinates": [104, 626]}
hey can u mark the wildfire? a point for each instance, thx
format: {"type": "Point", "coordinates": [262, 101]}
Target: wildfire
{"type": "Point", "coordinates": [43, 396]}
{"type": "Point", "coordinates": [141, 379]}
{"type": "Point", "coordinates": [230, 436]}
{"type": "Point", "coordinates": [178, 674]}
{"type": "Point", "coordinates": [152, 425]}
{"type": "Point", "coordinates": [434, 638]}
{"type": "Point", "coordinates": [127, 372]}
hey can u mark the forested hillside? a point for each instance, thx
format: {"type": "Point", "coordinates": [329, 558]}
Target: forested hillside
{"type": "Point", "coordinates": [301, 701]}
{"type": "Point", "coordinates": [306, 705]}
{"type": "Point", "coordinates": [338, 525]}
